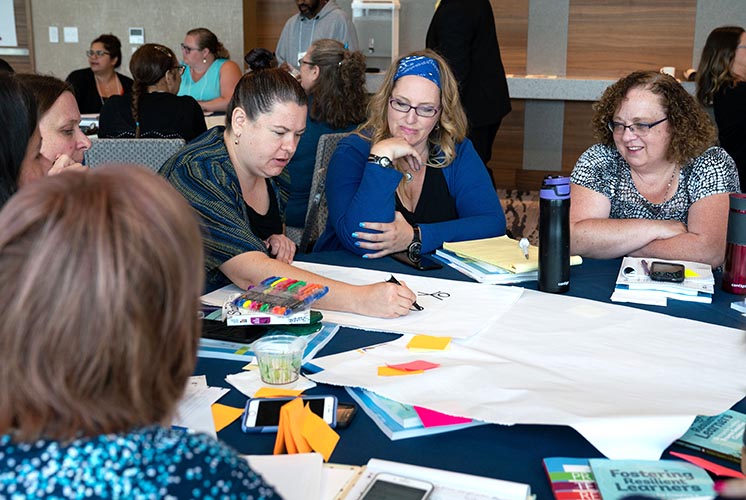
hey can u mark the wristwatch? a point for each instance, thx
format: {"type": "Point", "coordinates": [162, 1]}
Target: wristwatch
{"type": "Point", "coordinates": [383, 161]}
{"type": "Point", "coordinates": [415, 248]}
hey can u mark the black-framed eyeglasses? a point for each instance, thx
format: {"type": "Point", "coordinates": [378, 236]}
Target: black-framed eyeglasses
{"type": "Point", "coordinates": [425, 110]}
{"type": "Point", "coordinates": [639, 129]}
{"type": "Point", "coordinates": [179, 69]}
{"type": "Point", "coordinates": [97, 53]}
{"type": "Point", "coordinates": [302, 61]}
{"type": "Point", "coordinates": [187, 48]}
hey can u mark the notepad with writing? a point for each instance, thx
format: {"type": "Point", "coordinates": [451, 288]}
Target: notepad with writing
{"type": "Point", "coordinates": [503, 252]}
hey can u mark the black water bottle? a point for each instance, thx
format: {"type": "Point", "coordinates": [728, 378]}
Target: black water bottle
{"type": "Point", "coordinates": [554, 234]}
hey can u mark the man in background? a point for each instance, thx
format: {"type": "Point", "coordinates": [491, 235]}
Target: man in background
{"type": "Point", "coordinates": [317, 19]}
{"type": "Point", "coordinates": [463, 31]}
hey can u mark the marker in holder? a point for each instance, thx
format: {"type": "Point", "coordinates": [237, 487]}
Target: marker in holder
{"type": "Point", "coordinates": [280, 296]}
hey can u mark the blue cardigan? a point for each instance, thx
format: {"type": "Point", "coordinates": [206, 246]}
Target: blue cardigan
{"type": "Point", "coordinates": [358, 191]}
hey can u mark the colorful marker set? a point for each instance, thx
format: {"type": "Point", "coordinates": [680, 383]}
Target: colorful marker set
{"type": "Point", "coordinates": [280, 296]}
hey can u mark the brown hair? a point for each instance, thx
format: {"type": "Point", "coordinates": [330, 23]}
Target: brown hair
{"type": "Point", "coordinates": [112, 45]}
{"type": "Point", "coordinates": [691, 129]}
{"type": "Point", "coordinates": [206, 39]}
{"type": "Point", "coordinates": [101, 274]}
{"type": "Point", "coordinates": [149, 64]}
{"type": "Point", "coordinates": [452, 121]}
{"type": "Point", "coordinates": [714, 71]}
{"type": "Point", "coordinates": [46, 89]}
{"type": "Point", "coordinates": [339, 95]}
{"type": "Point", "coordinates": [257, 93]}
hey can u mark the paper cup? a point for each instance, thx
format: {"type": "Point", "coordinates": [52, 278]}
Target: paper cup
{"type": "Point", "coordinates": [669, 70]}
{"type": "Point", "coordinates": [279, 358]}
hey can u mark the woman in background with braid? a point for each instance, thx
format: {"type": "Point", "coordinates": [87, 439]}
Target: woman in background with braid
{"type": "Point", "coordinates": [153, 110]}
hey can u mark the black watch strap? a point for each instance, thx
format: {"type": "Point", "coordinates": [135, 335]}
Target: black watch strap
{"type": "Point", "coordinates": [415, 247]}
{"type": "Point", "coordinates": [383, 161]}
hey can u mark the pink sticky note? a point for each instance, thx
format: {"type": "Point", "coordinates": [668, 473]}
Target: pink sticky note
{"type": "Point", "coordinates": [432, 418]}
{"type": "Point", "coordinates": [716, 469]}
{"type": "Point", "coordinates": [415, 365]}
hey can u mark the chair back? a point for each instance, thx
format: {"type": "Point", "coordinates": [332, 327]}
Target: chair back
{"type": "Point", "coordinates": [149, 152]}
{"type": "Point", "coordinates": [317, 209]}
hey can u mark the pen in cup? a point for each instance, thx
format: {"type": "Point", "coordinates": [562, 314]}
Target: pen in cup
{"type": "Point", "coordinates": [396, 282]}
{"type": "Point", "coordinates": [523, 244]}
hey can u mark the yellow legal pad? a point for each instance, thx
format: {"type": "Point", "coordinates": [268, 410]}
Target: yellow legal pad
{"type": "Point", "coordinates": [502, 252]}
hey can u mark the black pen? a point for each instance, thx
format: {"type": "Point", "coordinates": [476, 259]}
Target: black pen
{"type": "Point", "coordinates": [396, 282]}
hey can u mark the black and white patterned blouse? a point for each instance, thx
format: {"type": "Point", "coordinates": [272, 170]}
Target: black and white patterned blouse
{"type": "Point", "coordinates": [602, 169]}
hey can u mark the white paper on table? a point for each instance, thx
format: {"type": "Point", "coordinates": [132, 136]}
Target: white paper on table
{"type": "Point", "coordinates": [470, 308]}
{"type": "Point", "coordinates": [295, 477]}
{"type": "Point", "coordinates": [248, 382]}
{"type": "Point", "coordinates": [222, 295]}
{"type": "Point", "coordinates": [195, 408]}
{"type": "Point", "coordinates": [631, 381]}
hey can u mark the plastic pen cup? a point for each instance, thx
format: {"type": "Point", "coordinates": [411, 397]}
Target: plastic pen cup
{"type": "Point", "coordinates": [279, 358]}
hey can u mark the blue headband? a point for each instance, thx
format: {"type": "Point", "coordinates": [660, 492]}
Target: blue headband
{"type": "Point", "coordinates": [425, 67]}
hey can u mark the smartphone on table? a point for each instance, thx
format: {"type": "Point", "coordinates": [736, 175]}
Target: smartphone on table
{"type": "Point", "coordinates": [387, 486]}
{"type": "Point", "coordinates": [424, 264]}
{"type": "Point", "coordinates": [263, 414]}
{"type": "Point", "coordinates": [667, 271]}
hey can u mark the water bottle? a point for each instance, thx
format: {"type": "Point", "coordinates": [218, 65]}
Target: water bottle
{"type": "Point", "coordinates": [734, 275]}
{"type": "Point", "coordinates": [554, 234]}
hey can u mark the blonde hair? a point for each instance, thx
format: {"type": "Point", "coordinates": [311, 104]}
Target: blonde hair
{"type": "Point", "coordinates": [451, 127]}
{"type": "Point", "coordinates": [101, 276]}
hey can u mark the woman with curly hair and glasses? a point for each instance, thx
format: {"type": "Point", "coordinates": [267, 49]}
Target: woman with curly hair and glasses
{"type": "Point", "coordinates": [654, 186]}
{"type": "Point", "coordinates": [410, 179]}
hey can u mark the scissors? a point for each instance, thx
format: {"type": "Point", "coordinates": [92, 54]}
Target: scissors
{"type": "Point", "coordinates": [438, 295]}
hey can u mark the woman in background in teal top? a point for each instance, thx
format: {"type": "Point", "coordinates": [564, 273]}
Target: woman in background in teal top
{"type": "Point", "coordinates": [210, 76]}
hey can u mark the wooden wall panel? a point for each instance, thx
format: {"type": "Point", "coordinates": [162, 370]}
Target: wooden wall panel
{"type": "Point", "coordinates": [577, 133]}
{"type": "Point", "coordinates": [511, 21]}
{"type": "Point", "coordinates": [24, 34]}
{"type": "Point", "coordinates": [507, 151]}
{"type": "Point", "coordinates": [610, 38]}
{"type": "Point", "coordinates": [272, 15]}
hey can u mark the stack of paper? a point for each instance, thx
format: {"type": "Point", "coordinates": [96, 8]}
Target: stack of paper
{"type": "Point", "coordinates": [633, 283]}
{"type": "Point", "coordinates": [494, 260]}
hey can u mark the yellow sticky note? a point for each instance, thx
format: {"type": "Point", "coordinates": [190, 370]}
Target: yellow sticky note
{"type": "Point", "coordinates": [387, 371]}
{"type": "Point", "coordinates": [297, 416]}
{"type": "Point", "coordinates": [429, 343]}
{"type": "Point", "coordinates": [318, 434]}
{"type": "Point", "coordinates": [690, 273]}
{"type": "Point", "coordinates": [269, 392]}
{"type": "Point", "coordinates": [250, 367]}
{"type": "Point", "coordinates": [223, 415]}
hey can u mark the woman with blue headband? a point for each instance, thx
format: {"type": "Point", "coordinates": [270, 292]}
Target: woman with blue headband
{"type": "Point", "coordinates": [410, 180]}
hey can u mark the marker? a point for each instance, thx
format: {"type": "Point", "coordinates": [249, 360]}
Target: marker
{"type": "Point", "coordinates": [645, 267]}
{"type": "Point", "coordinates": [396, 282]}
{"type": "Point", "coordinates": [523, 244]}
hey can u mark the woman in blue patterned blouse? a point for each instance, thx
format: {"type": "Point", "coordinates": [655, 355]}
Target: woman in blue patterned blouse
{"type": "Point", "coordinates": [654, 186]}
{"type": "Point", "coordinates": [101, 276]}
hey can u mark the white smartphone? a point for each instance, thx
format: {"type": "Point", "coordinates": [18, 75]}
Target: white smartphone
{"type": "Point", "coordinates": [263, 414]}
{"type": "Point", "coordinates": [387, 486]}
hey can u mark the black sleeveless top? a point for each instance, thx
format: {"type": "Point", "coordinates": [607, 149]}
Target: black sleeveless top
{"type": "Point", "coordinates": [270, 223]}
{"type": "Point", "coordinates": [435, 204]}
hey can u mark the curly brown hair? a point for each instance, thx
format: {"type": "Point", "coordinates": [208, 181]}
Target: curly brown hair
{"type": "Point", "coordinates": [692, 131]}
{"type": "Point", "coordinates": [452, 121]}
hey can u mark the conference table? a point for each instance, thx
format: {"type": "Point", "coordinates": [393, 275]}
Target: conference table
{"type": "Point", "coordinates": [511, 453]}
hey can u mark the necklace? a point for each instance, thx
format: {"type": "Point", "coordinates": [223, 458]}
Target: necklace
{"type": "Point", "coordinates": [100, 88]}
{"type": "Point", "coordinates": [651, 206]}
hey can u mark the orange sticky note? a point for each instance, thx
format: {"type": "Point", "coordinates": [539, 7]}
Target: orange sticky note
{"type": "Point", "coordinates": [429, 343]}
{"type": "Point", "coordinates": [269, 392]}
{"type": "Point", "coordinates": [418, 365]}
{"type": "Point", "coordinates": [223, 415]}
{"type": "Point", "coordinates": [319, 435]}
{"type": "Point", "coordinates": [387, 371]}
{"type": "Point", "coordinates": [716, 469]}
{"type": "Point", "coordinates": [297, 416]}
{"type": "Point", "coordinates": [432, 418]}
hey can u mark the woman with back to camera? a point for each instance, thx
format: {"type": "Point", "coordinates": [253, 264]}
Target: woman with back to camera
{"type": "Point", "coordinates": [153, 110]}
{"type": "Point", "coordinates": [210, 76]}
{"type": "Point", "coordinates": [93, 85]}
{"type": "Point", "coordinates": [102, 277]}
{"type": "Point", "coordinates": [721, 83]}
{"type": "Point", "coordinates": [655, 186]}
{"type": "Point", "coordinates": [62, 142]}
{"type": "Point", "coordinates": [334, 79]}
{"type": "Point", "coordinates": [227, 175]}
{"type": "Point", "coordinates": [410, 180]}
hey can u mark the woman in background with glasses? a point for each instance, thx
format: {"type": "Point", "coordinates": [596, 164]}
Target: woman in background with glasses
{"type": "Point", "coordinates": [210, 76]}
{"type": "Point", "coordinates": [655, 186]}
{"type": "Point", "coordinates": [153, 110]}
{"type": "Point", "coordinates": [410, 179]}
{"type": "Point", "coordinates": [721, 83]}
{"type": "Point", "coordinates": [95, 84]}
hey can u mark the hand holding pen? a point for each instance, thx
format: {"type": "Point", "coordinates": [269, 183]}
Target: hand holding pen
{"type": "Point", "coordinates": [415, 305]}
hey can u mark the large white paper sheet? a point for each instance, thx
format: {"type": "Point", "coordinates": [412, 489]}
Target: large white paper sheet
{"type": "Point", "coordinates": [451, 308]}
{"type": "Point", "coordinates": [629, 380]}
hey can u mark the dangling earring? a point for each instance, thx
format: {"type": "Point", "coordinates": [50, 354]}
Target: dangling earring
{"type": "Point", "coordinates": [235, 141]}
{"type": "Point", "coordinates": [437, 126]}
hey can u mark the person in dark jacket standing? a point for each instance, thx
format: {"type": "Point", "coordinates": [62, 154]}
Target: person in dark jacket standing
{"type": "Point", "coordinates": [463, 31]}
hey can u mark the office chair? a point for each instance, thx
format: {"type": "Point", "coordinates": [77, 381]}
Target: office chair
{"type": "Point", "coordinates": [149, 152]}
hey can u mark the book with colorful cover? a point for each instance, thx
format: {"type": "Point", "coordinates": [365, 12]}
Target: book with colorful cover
{"type": "Point", "coordinates": [720, 435]}
{"type": "Point", "coordinates": [571, 478]}
{"type": "Point", "coordinates": [662, 479]}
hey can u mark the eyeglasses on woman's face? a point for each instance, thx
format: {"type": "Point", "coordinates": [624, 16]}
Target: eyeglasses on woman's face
{"type": "Point", "coordinates": [425, 111]}
{"type": "Point", "coordinates": [639, 129]}
{"type": "Point", "coordinates": [302, 61]}
{"type": "Point", "coordinates": [97, 53]}
{"type": "Point", "coordinates": [188, 49]}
